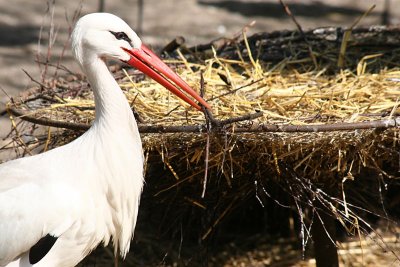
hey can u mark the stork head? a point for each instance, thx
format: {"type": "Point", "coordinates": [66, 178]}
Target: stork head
{"type": "Point", "coordinates": [103, 35]}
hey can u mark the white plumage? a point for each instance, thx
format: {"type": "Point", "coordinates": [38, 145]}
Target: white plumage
{"type": "Point", "coordinates": [88, 191]}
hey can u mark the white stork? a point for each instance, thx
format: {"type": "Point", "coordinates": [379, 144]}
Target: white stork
{"type": "Point", "coordinates": [56, 207]}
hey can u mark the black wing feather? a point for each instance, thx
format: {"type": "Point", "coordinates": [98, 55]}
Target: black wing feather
{"type": "Point", "coordinates": [41, 248]}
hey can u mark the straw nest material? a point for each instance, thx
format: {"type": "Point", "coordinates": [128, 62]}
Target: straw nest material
{"type": "Point", "coordinates": [300, 114]}
{"type": "Point", "coordinates": [303, 113]}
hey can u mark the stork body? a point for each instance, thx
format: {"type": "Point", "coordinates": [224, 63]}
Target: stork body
{"type": "Point", "coordinates": [88, 191]}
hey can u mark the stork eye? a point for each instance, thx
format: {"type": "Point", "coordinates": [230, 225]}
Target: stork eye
{"type": "Point", "coordinates": [121, 36]}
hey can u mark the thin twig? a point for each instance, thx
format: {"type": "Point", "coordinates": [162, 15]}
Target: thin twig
{"type": "Point", "coordinates": [75, 17]}
{"type": "Point", "coordinates": [4, 110]}
{"type": "Point", "coordinates": [208, 116]}
{"type": "Point", "coordinates": [247, 117]}
{"type": "Point", "coordinates": [234, 90]}
{"type": "Point", "coordinates": [57, 66]}
{"type": "Point", "coordinates": [47, 122]}
{"type": "Point", "coordinates": [51, 39]}
{"type": "Point", "coordinates": [41, 84]}
{"type": "Point", "coordinates": [303, 35]}
{"type": "Point", "coordinates": [206, 160]}
{"type": "Point", "coordinates": [290, 14]}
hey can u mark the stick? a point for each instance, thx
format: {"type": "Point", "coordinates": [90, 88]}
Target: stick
{"type": "Point", "coordinates": [303, 35]}
{"type": "Point", "coordinates": [247, 117]}
{"type": "Point", "coordinates": [47, 122]}
{"type": "Point", "coordinates": [75, 17]}
{"type": "Point", "coordinates": [42, 85]}
{"type": "Point", "coordinates": [235, 90]}
{"type": "Point", "coordinates": [173, 45]}
{"type": "Point", "coordinates": [209, 122]}
{"type": "Point", "coordinates": [331, 127]}
{"type": "Point", "coordinates": [260, 128]}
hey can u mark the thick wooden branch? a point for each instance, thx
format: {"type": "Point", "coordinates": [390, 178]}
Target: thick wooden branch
{"type": "Point", "coordinates": [250, 128]}
{"type": "Point", "coordinates": [309, 128]}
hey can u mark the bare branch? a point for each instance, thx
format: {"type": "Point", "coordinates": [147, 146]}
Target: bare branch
{"type": "Point", "coordinates": [303, 35]}
{"type": "Point", "coordinates": [41, 84]}
{"type": "Point", "coordinates": [252, 128]}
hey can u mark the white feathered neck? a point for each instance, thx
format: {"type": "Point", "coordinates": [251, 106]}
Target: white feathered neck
{"type": "Point", "coordinates": [117, 149]}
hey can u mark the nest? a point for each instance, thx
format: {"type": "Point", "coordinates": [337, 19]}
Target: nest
{"type": "Point", "coordinates": [295, 119]}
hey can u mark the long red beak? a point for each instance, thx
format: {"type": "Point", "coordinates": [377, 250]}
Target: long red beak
{"type": "Point", "coordinates": [150, 64]}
